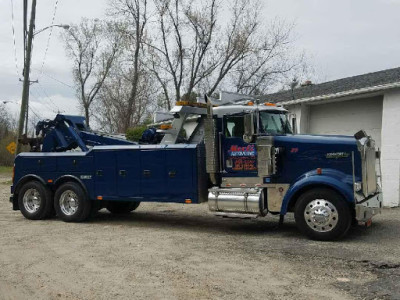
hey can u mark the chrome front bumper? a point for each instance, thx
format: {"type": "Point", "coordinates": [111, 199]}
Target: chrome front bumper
{"type": "Point", "coordinates": [369, 208]}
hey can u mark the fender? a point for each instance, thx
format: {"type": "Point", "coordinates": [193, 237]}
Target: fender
{"type": "Point", "coordinates": [18, 186]}
{"type": "Point", "coordinates": [24, 179]}
{"type": "Point", "coordinates": [72, 178]}
{"type": "Point", "coordinates": [332, 178]}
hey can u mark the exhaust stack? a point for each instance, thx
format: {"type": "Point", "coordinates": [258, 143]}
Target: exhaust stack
{"type": "Point", "coordinates": [210, 140]}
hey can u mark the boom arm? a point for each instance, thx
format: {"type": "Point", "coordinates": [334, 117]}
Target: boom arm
{"type": "Point", "coordinates": [68, 132]}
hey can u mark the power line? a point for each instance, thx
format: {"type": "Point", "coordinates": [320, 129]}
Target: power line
{"type": "Point", "coordinates": [13, 33]}
{"type": "Point", "coordinates": [36, 95]}
{"type": "Point", "coordinates": [47, 95]}
{"type": "Point", "coordinates": [59, 81]}
{"type": "Point", "coordinates": [54, 108]}
{"type": "Point", "coordinates": [31, 109]}
{"type": "Point", "coordinates": [48, 39]}
{"type": "Point", "coordinates": [25, 18]}
{"type": "Point", "coordinates": [35, 113]}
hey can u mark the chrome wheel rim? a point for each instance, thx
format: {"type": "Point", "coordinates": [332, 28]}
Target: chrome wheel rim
{"type": "Point", "coordinates": [69, 203]}
{"type": "Point", "coordinates": [32, 200]}
{"type": "Point", "coordinates": [321, 215]}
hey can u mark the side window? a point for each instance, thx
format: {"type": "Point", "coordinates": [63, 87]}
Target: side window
{"type": "Point", "coordinates": [234, 126]}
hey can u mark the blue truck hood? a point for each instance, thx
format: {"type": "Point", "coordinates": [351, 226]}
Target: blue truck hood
{"type": "Point", "coordinates": [303, 153]}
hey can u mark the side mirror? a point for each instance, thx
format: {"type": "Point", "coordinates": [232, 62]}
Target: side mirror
{"type": "Point", "coordinates": [248, 128]}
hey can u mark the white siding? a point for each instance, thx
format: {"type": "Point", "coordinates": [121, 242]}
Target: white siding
{"type": "Point", "coordinates": [391, 148]}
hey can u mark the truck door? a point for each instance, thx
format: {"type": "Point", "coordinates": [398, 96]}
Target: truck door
{"type": "Point", "coordinates": [239, 158]}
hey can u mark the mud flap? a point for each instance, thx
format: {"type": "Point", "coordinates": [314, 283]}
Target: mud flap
{"type": "Point", "coordinates": [14, 201]}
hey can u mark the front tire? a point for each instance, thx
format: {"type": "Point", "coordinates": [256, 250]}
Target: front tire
{"type": "Point", "coordinates": [322, 214]}
{"type": "Point", "coordinates": [35, 201]}
{"type": "Point", "coordinates": [71, 203]}
{"type": "Point", "coordinates": [121, 207]}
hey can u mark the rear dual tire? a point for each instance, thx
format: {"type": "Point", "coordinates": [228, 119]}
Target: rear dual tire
{"type": "Point", "coordinates": [71, 203]}
{"type": "Point", "coordinates": [35, 201]}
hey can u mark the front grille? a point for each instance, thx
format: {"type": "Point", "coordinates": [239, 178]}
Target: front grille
{"type": "Point", "coordinates": [368, 171]}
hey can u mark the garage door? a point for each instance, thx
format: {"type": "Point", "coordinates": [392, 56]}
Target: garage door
{"type": "Point", "coordinates": [347, 117]}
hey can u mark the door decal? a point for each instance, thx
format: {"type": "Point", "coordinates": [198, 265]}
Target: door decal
{"type": "Point", "coordinates": [243, 158]}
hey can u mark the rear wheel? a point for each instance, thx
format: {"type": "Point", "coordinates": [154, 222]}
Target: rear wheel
{"type": "Point", "coordinates": [322, 214]}
{"type": "Point", "coordinates": [35, 201]}
{"type": "Point", "coordinates": [121, 207]}
{"type": "Point", "coordinates": [71, 203]}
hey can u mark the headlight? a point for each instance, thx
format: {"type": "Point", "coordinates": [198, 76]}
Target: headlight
{"type": "Point", "coordinates": [357, 186]}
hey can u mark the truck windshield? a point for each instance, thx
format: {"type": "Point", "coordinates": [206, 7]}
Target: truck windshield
{"type": "Point", "coordinates": [274, 123]}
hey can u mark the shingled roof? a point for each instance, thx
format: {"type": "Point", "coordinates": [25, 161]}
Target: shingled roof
{"type": "Point", "coordinates": [337, 86]}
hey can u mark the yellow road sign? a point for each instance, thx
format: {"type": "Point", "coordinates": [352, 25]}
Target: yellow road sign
{"type": "Point", "coordinates": [12, 147]}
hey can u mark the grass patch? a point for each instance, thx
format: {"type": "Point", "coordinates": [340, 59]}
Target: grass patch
{"type": "Point", "coordinates": [4, 170]}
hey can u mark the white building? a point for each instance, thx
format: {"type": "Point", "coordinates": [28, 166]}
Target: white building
{"type": "Point", "coordinates": [370, 102]}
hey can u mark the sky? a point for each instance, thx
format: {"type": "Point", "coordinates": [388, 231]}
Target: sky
{"type": "Point", "coordinates": [340, 38]}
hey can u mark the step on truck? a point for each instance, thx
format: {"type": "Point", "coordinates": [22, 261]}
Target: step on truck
{"type": "Point", "coordinates": [242, 158]}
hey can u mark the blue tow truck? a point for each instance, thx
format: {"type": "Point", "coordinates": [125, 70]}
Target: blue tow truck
{"type": "Point", "coordinates": [240, 157]}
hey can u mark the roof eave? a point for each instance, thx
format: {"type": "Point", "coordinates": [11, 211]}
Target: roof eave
{"type": "Point", "coordinates": [354, 92]}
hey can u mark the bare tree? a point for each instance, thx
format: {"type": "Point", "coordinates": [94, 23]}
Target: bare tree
{"type": "Point", "coordinates": [115, 98]}
{"type": "Point", "coordinates": [124, 92]}
{"type": "Point", "coordinates": [193, 49]}
{"type": "Point", "coordinates": [8, 129]}
{"type": "Point", "coordinates": [5, 121]}
{"type": "Point", "coordinates": [269, 60]}
{"type": "Point", "coordinates": [178, 51]}
{"type": "Point", "coordinates": [93, 47]}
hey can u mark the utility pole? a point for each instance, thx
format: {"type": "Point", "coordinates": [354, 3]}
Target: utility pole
{"type": "Point", "coordinates": [27, 67]}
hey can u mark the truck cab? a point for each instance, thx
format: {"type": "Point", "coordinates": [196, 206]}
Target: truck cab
{"type": "Point", "coordinates": [258, 165]}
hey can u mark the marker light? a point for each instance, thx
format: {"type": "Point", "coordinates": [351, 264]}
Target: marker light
{"type": "Point", "coordinates": [165, 126]}
{"type": "Point", "coordinates": [319, 171]}
{"type": "Point", "coordinates": [269, 104]}
{"type": "Point", "coordinates": [182, 103]}
{"type": "Point", "coordinates": [250, 103]}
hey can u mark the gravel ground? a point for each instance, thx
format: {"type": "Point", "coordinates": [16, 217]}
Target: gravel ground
{"type": "Point", "coordinates": [170, 251]}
